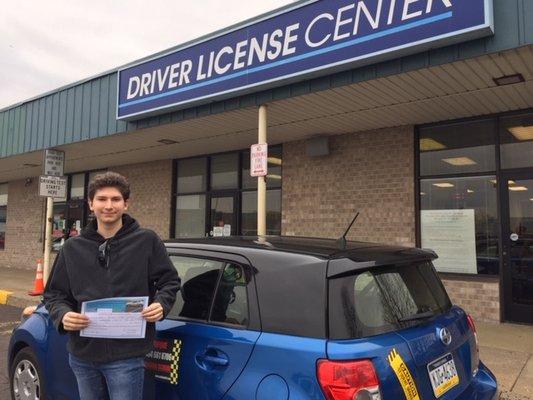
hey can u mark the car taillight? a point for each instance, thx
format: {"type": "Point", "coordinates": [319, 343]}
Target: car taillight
{"type": "Point", "coordinates": [474, 350]}
{"type": "Point", "coordinates": [348, 380]}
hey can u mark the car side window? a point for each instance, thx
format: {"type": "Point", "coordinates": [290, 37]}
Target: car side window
{"type": "Point", "coordinates": [231, 301]}
{"type": "Point", "coordinates": [199, 279]}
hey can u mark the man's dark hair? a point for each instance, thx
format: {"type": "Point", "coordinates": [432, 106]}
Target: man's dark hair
{"type": "Point", "coordinates": [109, 179]}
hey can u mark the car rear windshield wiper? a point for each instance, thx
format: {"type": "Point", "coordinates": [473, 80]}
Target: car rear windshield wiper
{"type": "Point", "coordinates": [423, 315]}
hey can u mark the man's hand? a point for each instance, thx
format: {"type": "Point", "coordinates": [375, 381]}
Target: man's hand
{"type": "Point", "coordinates": [153, 313]}
{"type": "Point", "coordinates": [74, 322]}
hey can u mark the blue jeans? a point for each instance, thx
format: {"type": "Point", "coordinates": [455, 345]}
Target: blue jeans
{"type": "Point", "coordinates": [117, 380]}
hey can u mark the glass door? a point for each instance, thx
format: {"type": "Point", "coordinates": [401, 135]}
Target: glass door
{"type": "Point", "coordinates": [517, 260]}
{"type": "Point", "coordinates": [223, 215]}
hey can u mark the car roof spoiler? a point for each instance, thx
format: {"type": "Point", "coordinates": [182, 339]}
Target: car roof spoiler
{"type": "Point", "coordinates": [346, 266]}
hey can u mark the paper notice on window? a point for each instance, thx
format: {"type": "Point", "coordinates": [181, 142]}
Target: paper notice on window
{"type": "Point", "coordinates": [227, 230]}
{"type": "Point", "coordinates": [452, 235]}
{"type": "Point", "coordinates": [115, 318]}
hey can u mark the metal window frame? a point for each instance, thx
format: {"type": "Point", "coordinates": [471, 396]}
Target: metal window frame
{"type": "Point", "coordinates": [85, 211]}
{"type": "Point", "coordinates": [254, 321]}
{"type": "Point", "coordinates": [499, 172]}
{"type": "Point", "coordinates": [209, 192]}
{"type": "Point", "coordinates": [5, 206]}
{"type": "Point", "coordinates": [4, 247]}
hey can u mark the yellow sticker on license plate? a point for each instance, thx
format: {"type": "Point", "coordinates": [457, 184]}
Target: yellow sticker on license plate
{"type": "Point", "coordinates": [443, 375]}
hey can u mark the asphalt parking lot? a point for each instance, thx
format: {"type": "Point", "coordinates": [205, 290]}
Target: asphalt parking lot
{"type": "Point", "coordinates": [9, 317]}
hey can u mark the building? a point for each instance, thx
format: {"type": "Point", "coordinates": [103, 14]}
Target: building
{"type": "Point", "coordinates": [416, 113]}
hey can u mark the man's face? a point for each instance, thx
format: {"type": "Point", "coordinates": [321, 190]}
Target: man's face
{"type": "Point", "coordinates": [108, 205]}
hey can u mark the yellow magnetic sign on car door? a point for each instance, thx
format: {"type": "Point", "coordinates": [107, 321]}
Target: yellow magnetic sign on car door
{"type": "Point", "coordinates": [404, 375]}
{"type": "Point", "coordinates": [175, 365]}
{"type": "Point", "coordinates": [164, 360]}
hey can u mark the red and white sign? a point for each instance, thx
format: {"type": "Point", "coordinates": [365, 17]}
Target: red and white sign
{"type": "Point", "coordinates": [259, 160]}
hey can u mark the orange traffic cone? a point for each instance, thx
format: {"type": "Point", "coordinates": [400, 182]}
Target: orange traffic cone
{"type": "Point", "coordinates": [38, 286]}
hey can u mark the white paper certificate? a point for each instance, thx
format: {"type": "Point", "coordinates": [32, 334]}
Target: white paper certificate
{"type": "Point", "coordinates": [115, 318]}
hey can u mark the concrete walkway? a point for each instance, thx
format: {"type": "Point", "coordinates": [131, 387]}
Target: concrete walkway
{"type": "Point", "coordinates": [506, 349]}
{"type": "Point", "coordinates": [18, 282]}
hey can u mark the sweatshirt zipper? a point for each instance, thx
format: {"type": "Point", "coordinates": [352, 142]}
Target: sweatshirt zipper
{"type": "Point", "coordinates": [108, 283]}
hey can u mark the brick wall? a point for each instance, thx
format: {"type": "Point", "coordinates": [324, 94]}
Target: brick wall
{"type": "Point", "coordinates": [24, 225]}
{"type": "Point", "coordinates": [371, 172]}
{"type": "Point", "coordinates": [151, 187]}
{"type": "Point", "coordinates": [480, 299]}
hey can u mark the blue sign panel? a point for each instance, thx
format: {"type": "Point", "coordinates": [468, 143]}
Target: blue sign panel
{"type": "Point", "coordinates": [311, 39]}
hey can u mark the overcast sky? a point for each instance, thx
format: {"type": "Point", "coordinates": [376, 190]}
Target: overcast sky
{"type": "Point", "coordinates": [48, 44]}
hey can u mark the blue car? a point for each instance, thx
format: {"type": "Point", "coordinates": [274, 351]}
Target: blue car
{"type": "Point", "coordinates": [281, 318]}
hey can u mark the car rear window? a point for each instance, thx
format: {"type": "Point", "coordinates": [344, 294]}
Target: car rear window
{"type": "Point", "coordinates": [384, 299]}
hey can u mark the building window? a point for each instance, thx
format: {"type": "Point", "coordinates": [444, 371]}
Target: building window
{"type": "Point", "coordinates": [225, 171]}
{"type": "Point", "coordinates": [458, 148]}
{"type": "Point", "coordinates": [458, 196]}
{"type": "Point", "coordinates": [190, 215]}
{"type": "Point", "coordinates": [77, 186]}
{"type": "Point", "coordinates": [459, 220]}
{"type": "Point", "coordinates": [71, 214]}
{"type": "Point", "coordinates": [192, 175]}
{"type": "Point", "coordinates": [249, 212]}
{"type": "Point", "coordinates": [3, 214]}
{"type": "Point", "coordinates": [516, 141]}
{"type": "Point", "coordinates": [216, 196]}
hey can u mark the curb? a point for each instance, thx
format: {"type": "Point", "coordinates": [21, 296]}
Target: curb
{"type": "Point", "coordinates": [4, 296]}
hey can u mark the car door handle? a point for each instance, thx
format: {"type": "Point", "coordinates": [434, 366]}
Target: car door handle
{"type": "Point", "coordinates": [218, 361]}
{"type": "Point", "coordinates": [212, 357]}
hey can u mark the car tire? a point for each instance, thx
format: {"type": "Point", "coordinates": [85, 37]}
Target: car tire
{"type": "Point", "coordinates": [26, 377]}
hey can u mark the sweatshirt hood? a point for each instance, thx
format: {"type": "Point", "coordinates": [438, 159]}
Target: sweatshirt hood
{"type": "Point", "coordinates": [129, 225]}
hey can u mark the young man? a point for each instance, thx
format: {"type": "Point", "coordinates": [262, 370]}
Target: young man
{"type": "Point", "coordinates": [113, 257]}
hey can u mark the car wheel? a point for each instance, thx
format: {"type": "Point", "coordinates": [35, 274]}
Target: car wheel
{"type": "Point", "coordinates": [27, 379]}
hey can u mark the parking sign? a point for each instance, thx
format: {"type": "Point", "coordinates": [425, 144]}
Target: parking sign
{"type": "Point", "coordinates": [54, 162]}
{"type": "Point", "coordinates": [53, 186]}
{"type": "Point", "coordinates": [259, 160]}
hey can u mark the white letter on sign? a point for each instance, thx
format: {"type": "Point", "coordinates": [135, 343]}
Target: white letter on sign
{"type": "Point", "coordinates": [308, 31]}
{"type": "Point", "coordinates": [374, 21]}
{"type": "Point", "coordinates": [406, 14]}
{"type": "Point", "coordinates": [222, 69]}
{"type": "Point", "coordinates": [134, 82]}
{"type": "Point", "coordinates": [429, 7]}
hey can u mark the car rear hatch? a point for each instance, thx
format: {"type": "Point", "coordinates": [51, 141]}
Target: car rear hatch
{"type": "Point", "coordinates": [399, 317]}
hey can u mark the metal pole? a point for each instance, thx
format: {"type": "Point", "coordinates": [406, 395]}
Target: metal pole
{"type": "Point", "coordinates": [261, 182]}
{"type": "Point", "coordinates": [48, 238]}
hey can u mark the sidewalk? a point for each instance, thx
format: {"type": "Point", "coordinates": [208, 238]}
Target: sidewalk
{"type": "Point", "coordinates": [506, 349]}
{"type": "Point", "coordinates": [19, 282]}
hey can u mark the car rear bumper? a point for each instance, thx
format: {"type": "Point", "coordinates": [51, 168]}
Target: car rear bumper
{"type": "Point", "coordinates": [483, 387]}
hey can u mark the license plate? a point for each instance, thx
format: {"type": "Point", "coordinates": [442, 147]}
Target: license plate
{"type": "Point", "coordinates": [443, 375]}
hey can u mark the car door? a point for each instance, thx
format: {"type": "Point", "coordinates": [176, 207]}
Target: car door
{"type": "Point", "coordinates": [61, 383]}
{"type": "Point", "coordinates": [205, 342]}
